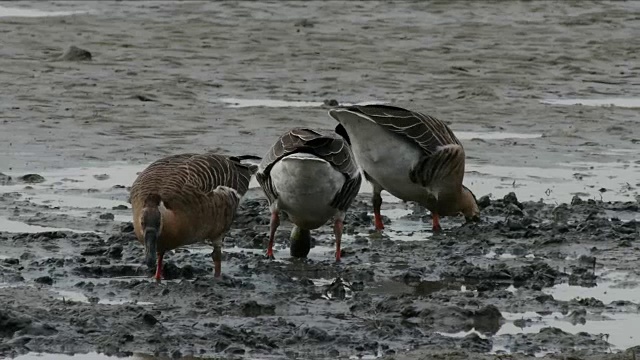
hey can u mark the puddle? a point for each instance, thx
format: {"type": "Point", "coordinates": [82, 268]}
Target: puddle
{"type": "Point", "coordinates": [611, 286]}
{"type": "Point", "coordinates": [504, 256]}
{"type": "Point", "coordinates": [554, 184]}
{"type": "Point", "coordinates": [624, 216]}
{"type": "Point", "coordinates": [366, 356]}
{"type": "Point", "coordinates": [21, 227]}
{"type": "Point", "coordinates": [74, 201]}
{"type": "Point", "coordinates": [621, 327]}
{"type": "Point", "coordinates": [422, 288]}
{"type": "Point", "coordinates": [24, 12]}
{"type": "Point", "coordinates": [242, 103]}
{"type": "Point", "coordinates": [494, 135]}
{"type": "Point", "coordinates": [79, 297]}
{"type": "Point", "coordinates": [617, 101]}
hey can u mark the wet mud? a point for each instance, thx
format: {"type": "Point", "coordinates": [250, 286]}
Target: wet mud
{"type": "Point", "coordinates": [476, 287]}
{"type": "Point", "coordinates": [541, 94]}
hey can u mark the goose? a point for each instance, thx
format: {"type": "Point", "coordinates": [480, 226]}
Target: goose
{"type": "Point", "coordinates": [312, 177]}
{"type": "Point", "coordinates": [187, 198]}
{"type": "Point", "coordinates": [413, 156]}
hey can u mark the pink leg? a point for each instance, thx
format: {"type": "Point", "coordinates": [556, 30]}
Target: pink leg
{"type": "Point", "coordinates": [217, 261]}
{"type": "Point", "coordinates": [436, 222]}
{"type": "Point", "coordinates": [337, 230]}
{"type": "Point", "coordinates": [275, 222]}
{"type": "Point", "coordinates": [377, 203]}
{"type": "Point", "coordinates": [159, 267]}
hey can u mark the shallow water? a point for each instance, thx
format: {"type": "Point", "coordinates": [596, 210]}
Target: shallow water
{"type": "Point", "coordinates": [79, 192]}
{"type": "Point", "coordinates": [613, 101]}
{"type": "Point", "coordinates": [621, 327]}
{"type": "Point", "coordinates": [69, 295]}
{"type": "Point", "coordinates": [23, 12]}
{"type": "Point", "coordinates": [22, 227]}
{"type": "Point", "coordinates": [558, 184]}
{"type": "Point", "coordinates": [610, 286]}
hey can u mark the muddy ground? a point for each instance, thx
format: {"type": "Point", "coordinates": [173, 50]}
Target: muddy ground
{"type": "Point", "coordinates": [551, 271]}
{"type": "Point", "coordinates": [387, 297]}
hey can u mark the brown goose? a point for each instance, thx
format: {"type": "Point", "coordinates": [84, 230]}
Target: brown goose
{"type": "Point", "coordinates": [187, 198]}
{"type": "Point", "coordinates": [413, 156]}
{"type": "Point", "coordinates": [312, 177]}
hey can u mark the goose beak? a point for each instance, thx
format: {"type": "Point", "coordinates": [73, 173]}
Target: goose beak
{"type": "Point", "coordinates": [150, 241]}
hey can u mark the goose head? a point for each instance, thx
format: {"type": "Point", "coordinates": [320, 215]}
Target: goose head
{"type": "Point", "coordinates": [469, 205]}
{"type": "Point", "coordinates": [151, 223]}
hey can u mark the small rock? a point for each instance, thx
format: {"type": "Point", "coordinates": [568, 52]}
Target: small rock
{"type": "Point", "coordinates": [11, 261]}
{"type": "Point", "coordinates": [120, 207]}
{"type": "Point", "coordinates": [46, 280]}
{"type": "Point", "coordinates": [513, 209]}
{"type": "Point", "coordinates": [252, 308]}
{"type": "Point", "coordinates": [511, 198]}
{"type": "Point", "coordinates": [149, 319]}
{"type": "Point", "coordinates": [143, 98]}
{"type": "Point", "coordinates": [115, 251]}
{"type": "Point", "coordinates": [126, 228]}
{"type": "Point", "coordinates": [575, 200]}
{"type": "Point", "coordinates": [484, 202]}
{"type": "Point", "coordinates": [74, 53]}
{"type": "Point", "coordinates": [107, 216]}
{"type": "Point", "coordinates": [331, 102]}
{"type": "Point", "coordinates": [32, 178]}
{"type": "Point", "coordinates": [306, 23]}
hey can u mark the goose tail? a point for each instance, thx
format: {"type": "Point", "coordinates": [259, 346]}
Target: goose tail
{"type": "Point", "coordinates": [241, 158]}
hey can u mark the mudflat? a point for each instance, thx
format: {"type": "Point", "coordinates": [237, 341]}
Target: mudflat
{"type": "Point", "coordinates": [543, 95]}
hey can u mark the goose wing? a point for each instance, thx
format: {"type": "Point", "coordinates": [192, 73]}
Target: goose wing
{"type": "Point", "coordinates": [328, 147]}
{"type": "Point", "coordinates": [185, 178]}
{"type": "Point", "coordinates": [444, 155]}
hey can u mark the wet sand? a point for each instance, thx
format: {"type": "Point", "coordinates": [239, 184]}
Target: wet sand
{"type": "Point", "coordinates": [528, 87]}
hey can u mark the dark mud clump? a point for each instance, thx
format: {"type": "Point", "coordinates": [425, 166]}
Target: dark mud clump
{"type": "Point", "coordinates": [74, 53]}
{"type": "Point", "coordinates": [32, 178]}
